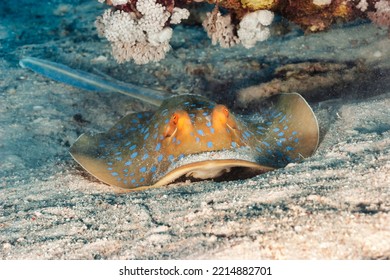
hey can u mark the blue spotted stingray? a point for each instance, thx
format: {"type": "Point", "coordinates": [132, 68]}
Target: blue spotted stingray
{"type": "Point", "coordinates": [187, 137]}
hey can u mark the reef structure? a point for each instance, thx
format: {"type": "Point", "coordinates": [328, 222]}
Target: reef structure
{"type": "Point", "coordinates": [140, 30]}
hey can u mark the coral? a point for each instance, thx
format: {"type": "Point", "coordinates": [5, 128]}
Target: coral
{"type": "Point", "coordinates": [259, 4]}
{"type": "Point", "coordinates": [139, 32]}
{"type": "Point", "coordinates": [322, 2]}
{"type": "Point", "coordinates": [220, 29]}
{"type": "Point", "coordinates": [381, 16]}
{"type": "Point", "coordinates": [362, 5]}
{"type": "Point", "coordinates": [253, 28]}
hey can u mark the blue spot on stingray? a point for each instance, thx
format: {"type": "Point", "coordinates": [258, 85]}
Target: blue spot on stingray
{"type": "Point", "coordinates": [139, 115]}
{"type": "Point", "coordinates": [132, 147]}
{"type": "Point", "coordinates": [142, 179]}
{"type": "Point", "coordinates": [296, 140]}
{"type": "Point", "coordinates": [127, 144]}
{"type": "Point", "coordinates": [285, 127]}
{"type": "Point", "coordinates": [282, 119]}
{"type": "Point", "coordinates": [166, 121]}
{"type": "Point", "coordinates": [281, 134]}
{"type": "Point", "coordinates": [119, 179]}
{"type": "Point", "coordinates": [110, 168]}
{"type": "Point", "coordinates": [133, 181]}
{"type": "Point", "coordinates": [155, 136]}
{"type": "Point", "coordinates": [114, 174]}
{"type": "Point", "coordinates": [133, 155]}
{"type": "Point", "coordinates": [158, 146]}
{"type": "Point", "coordinates": [268, 123]}
{"type": "Point", "coordinates": [267, 144]}
{"type": "Point", "coordinates": [288, 148]}
{"type": "Point", "coordinates": [153, 169]}
{"type": "Point", "coordinates": [156, 125]}
{"type": "Point", "coordinates": [294, 133]}
{"type": "Point", "coordinates": [125, 170]}
{"type": "Point", "coordinates": [234, 144]}
{"type": "Point", "coordinates": [128, 163]}
{"type": "Point", "coordinates": [181, 156]}
{"type": "Point", "coordinates": [277, 115]}
{"type": "Point", "coordinates": [146, 136]}
{"type": "Point", "coordinates": [170, 158]}
{"type": "Point", "coordinates": [102, 145]}
{"type": "Point", "coordinates": [173, 139]}
{"type": "Point", "coordinates": [212, 130]}
{"type": "Point", "coordinates": [145, 156]}
{"type": "Point", "coordinates": [197, 139]}
{"type": "Point", "coordinates": [109, 163]}
{"type": "Point", "coordinates": [260, 128]}
{"type": "Point", "coordinates": [118, 158]}
{"type": "Point", "coordinates": [279, 143]}
{"type": "Point", "coordinates": [259, 149]}
{"type": "Point", "coordinates": [178, 142]}
{"type": "Point", "coordinates": [132, 174]}
{"type": "Point", "coordinates": [134, 121]}
{"type": "Point", "coordinates": [205, 114]}
{"type": "Point", "coordinates": [208, 124]}
{"type": "Point", "coordinates": [276, 129]}
{"type": "Point", "coordinates": [142, 169]}
{"type": "Point", "coordinates": [209, 144]}
{"type": "Point", "coordinates": [200, 132]}
{"type": "Point", "coordinates": [159, 158]}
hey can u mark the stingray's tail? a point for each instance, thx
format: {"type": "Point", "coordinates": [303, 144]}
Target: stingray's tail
{"type": "Point", "coordinates": [88, 81]}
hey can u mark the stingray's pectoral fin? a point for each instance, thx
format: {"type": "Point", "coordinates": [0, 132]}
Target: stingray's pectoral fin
{"type": "Point", "coordinates": [90, 155]}
{"type": "Point", "coordinates": [290, 133]}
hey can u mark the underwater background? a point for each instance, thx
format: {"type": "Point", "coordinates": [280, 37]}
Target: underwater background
{"type": "Point", "coordinates": [333, 205]}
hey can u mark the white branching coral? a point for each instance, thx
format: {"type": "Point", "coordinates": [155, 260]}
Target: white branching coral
{"type": "Point", "coordinates": [253, 27]}
{"type": "Point", "coordinates": [178, 15]}
{"type": "Point", "coordinates": [143, 34]}
{"type": "Point", "coordinates": [362, 5]}
{"type": "Point", "coordinates": [220, 29]}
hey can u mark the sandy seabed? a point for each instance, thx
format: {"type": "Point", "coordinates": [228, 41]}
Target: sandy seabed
{"type": "Point", "coordinates": [334, 205]}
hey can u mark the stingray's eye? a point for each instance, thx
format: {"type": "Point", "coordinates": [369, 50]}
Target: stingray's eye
{"type": "Point", "coordinates": [171, 127]}
{"type": "Point", "coordinates": [225, 111]}
{"type": "Point", "coordinates": [174, 119]}
{"type": "Point", "coordinates": [178, 121]}
{"type": "Point", "coordinates": [221, 118]}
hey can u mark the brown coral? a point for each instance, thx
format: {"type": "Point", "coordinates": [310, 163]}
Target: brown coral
{"type": "Point", "coordinates": [381, 16]}
{"type": "Point", "coordinates": [220, 29]}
